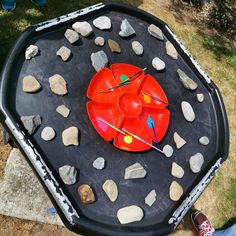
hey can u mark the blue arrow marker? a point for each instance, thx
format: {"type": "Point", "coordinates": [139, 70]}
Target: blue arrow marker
{"type": "Point", "coordinates": [151, 125]}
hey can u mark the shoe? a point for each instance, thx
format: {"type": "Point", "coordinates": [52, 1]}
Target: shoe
{"type": "Point", "coordinates": [8, 5]}
{"type": "Point", "coordinates": [39, 3]}
{"type": "Point", "coordinates": [201, 224]}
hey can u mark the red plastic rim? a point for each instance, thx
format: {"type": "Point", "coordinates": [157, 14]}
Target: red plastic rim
{"type": "Point", "coordinates": [138, 107]}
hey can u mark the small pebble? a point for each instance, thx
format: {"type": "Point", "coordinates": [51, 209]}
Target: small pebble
{"type": "Point", "coordinates": [179, 141]}
{"type": "Point", "coordinates": [135, 171]}
{"type": "Point", "coordinates": [68, 174]}
{"type": "Point", "coordinates": [196, 161]}
{"type": "Point", "coordinates": [204, 140]}
{"type": "Point", "coordinates": [168, 150]}
{"type": "Point", "coordinates": [111, 190]}
{"type": "Point", "coordinates": [31, 123]}
{"type": "Point", "coordinates": [99, 41]}
{"type": "Point", "coordinates": [86, 194]}
{"type": "Point", "coordinates": [70, 136]}
{"type": "Point", "coordinates": [102, 23]}
{"type": "Point", "coordinates": [158, 64]}
{"type": "Point", "coordinates": [48, 133]}
{"type": "Point", "coordinates": [58, 85]}
{"type": "Point", "coordinates": [126, 29]}
{"type": "Point", "coordinates": [151, 198]}
{"type": "Point", "coordinates": [171, 51]}
{"type": "Point", "coordinates": [71, 36]}
{"type": "Point", "coordinates": [99, 60]}
{"type": "Point", "coordinates": [30, 84]}
{"type": "Point", "coordinates": [155, 32]}
{"type": "Point", "coordinates": [129, 214]}
{"type": "Point", "coordinates": [177, 171]}
{"type": "Point", "coordinates": [99, 163]}
{"type": "Point", "coordinates": [31, 52]}
{"type": "Point", "coordinates": [64, 53]}
{"type": "Point", "coordinates": [83, 28]}
{"type": "Point", "coordinates": [176, 191]}
{"type": "Point", "coordinates": [114, 46]}
{"type": "Point", "coordinates": [200, 97]}
{"type": "Point", "coordinates": [187, 111]}
{"type": "Point", "coordinates": [137, 48]}
{"type": "Point", "coordinates": [186, 81]}
{"type": "Point", "coordinates": [63, 110]}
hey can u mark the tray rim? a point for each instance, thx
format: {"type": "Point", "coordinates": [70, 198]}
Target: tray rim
{"type": "Point", "coordinates": [65, 209]}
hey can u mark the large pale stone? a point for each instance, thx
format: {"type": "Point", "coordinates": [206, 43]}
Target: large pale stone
{"type": "Point", "coordinates": [83, 28]}
{"type": "Point", "coordinates": [102, 23]}
{"type": "Point", "coordinates": [71, 36]}
{"type": "Point", "coordinates": [130, 214]}
{"type": "Point", "coordinates": [63, 110]}
{"type": "Point", "coordinates": [126, 29]}
{"type": "Point", "coordinates": [186, 81]}
{"type": "Point", "coordinates": [70, 136]}
{"type": "Point", "coordinates": [111, 190]}
{"type": "Point", "coordinates": [68, 174]}
{"type": "Point", "coordinates": [177, 171]}
{"type": "Point", "coordinates": [168, 150]}
{"type": "Point", "coordinates": [158, 64]}
{"type": "Point", "coordinates": [155, 32]}
{"type": "Point", "coordinates": [196, 161]}
{"type": "Point", "coordinates": [187, 111]}
{"type": "Point", "coordinates": [171, 51]}
{"type": "Point", "coordinates": [137, 48]}
{"type": "Point", "coordinates": [48, 133]}
{"type": "Point", "coordinates": [30, 84]}
{"type": "Point", "coordinates": [135, 171]}
{"type": "Point", "coordinates": [99, 60]}
{"type": "Point", "coordinates": [176, 191]}
{"type": "Point", "coordinates": [64, 53]}
{"type": "Point", "coordinates": [58, 85]}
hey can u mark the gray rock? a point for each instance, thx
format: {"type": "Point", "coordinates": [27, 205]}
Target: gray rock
{"type": "Point", "coordinates": [48, 133]}
{"type": "Point", "coordinates": [31, 52]}
{"type": "Point", "coordinates": [114, 46]}
{"type": "Point", "coordinates": [64, 53]}
{"type": "Point", "coordinates": [135, 171]}
{"type": "Point", "coordinates": [151, 198]}
{"type": "Point", "coordinates": [129, 214]}
{"type": "Point", "coordinates": [68, 174]}
{"type": "Point", "coordinates": [179, 141]}
{"type": "Point", "coordinates": [71, 36]}
{"type": "Point", "coordinates": [137, 48]}
{"type": "Point", "coordinates": [63, 110]}
{"type": "Point", "coordinates": [99, 41]}
{"type": "Point", "coordinates": [58, 85]}
{"type": "Point", "coordinates": [177, 171]}
{"type": "Point", "coordinates": [187, 111]}
{"type": "Point", "coordinates": [30, 84]}
{"type": "Point", "coordinates": [102, 23]}
{"type": "Point", "coordinates": [196, 161]}
{"type": "Point", "coordinates": [171, 51]}
{"type": "Point", "coordinates": [200, 97]}
{"type": "Point", "coordinates": [126, 29]}
{"type": "Point", "coordinates": [168, 150]}
{"type": "Point", "coordinates": [70, 136]}
{"type": "Point", "coordinates": [111, 190]}
{"type": "Point", "coordinates": [99, 163]}
{"type": "Point", "coordinates": [155, 32]}
{"type": "Point", "coordinates": [158, 64]}
{"type": "Point", "coordinates": [175, 191]}
{"type": "Point", "coordinates": [31, 123]}
{"type": "Point", "coordinates": [83, 28]}
{"type": "Point", "coordinates": [186, 81]}
{"type": "Point", "coordinates": [99, 60]}
{"type": "Point", "coordinates": [204, 140]}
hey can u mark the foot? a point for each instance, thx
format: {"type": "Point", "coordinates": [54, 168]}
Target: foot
{"type": "Point", "coordinates": [8, 5]}
{"type": "Point", "coordinates": [39, 3]}
{"type": "Point", "coordinates": [201, 224]}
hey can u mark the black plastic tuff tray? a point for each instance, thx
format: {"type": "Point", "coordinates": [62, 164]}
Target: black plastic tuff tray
{"type": "Point", "coordinates": [46, 157]}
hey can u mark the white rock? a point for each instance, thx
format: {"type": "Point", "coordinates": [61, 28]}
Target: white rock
{"type": "Point", "coordinates": [158, 64]}
{"type": "Point", "coordinates": [168, 150]}
{"type": "Point", "coordinates": [179, 141]}
{"type": "Point", "coordinates": [176, 191]}
{"type": "Point", "coordinates": [111, 190]}
{"type": "Point", "coordinates": [171, 51]}
{"type": "Point", "coordinates": [70, 136]}
{"type": "Point", "coordinates": [155, 32]}
{"type": "Point", "coordinates": [186, 81]}
{"type": "Point", "coordinates": [204, 140]}
{"type": "Point", "coordinates": [151, 198]}
{"type": "Point", "coordinates": [48, 133]}
{"type": "Point", "coordinates": [31, 52]}
{"type": "Point", "coordinates": [99, 41]}
{"type": "Point", "coordinates": [196, 161]}
{"type": "Point", "coordinates": [200, 97]}
{"type": "Point", "coordinates": [68, 174]}
{"type": "Point", "coordinates": [64, 53]}
{"type": "Point", "coordinates": [99, 163]}
{"type": "Point", "coordinates": [137, 48]}
{"type": "Point", "coordinates": [99, 60]}
{"type": "Point", "coordinates": [126, 29]}
{"type": "Point", "coordinates": [58, 84]}
{"type": "Point", "coordinates": [177, 171]}
{"type": "Point", "coordinates": [71, 36]}
{"type": "Point", "coordinates": [83, 28]}
{"type": "Point", "coordinates": [188, 112]}
{"type": "Point", "coordinates": [129, 214]}
{"type": "Point", "coordinates": [30, 84]}
{"type": "Point", "coordinates": [63, 110]}
{"type": "Point", "coordinates": [102, 23]}
{"type": "Point", "coordinates": [135, 171]}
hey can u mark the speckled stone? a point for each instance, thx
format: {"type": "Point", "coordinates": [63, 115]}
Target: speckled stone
{"type": "Point", "coordinates": [58, 85]}
{"type": "Point", "coordinates": [86, 194]}
{"type": "Point", "coordinates": [186, 81]}
{"type": "Point", "coordinates": [64, 53]}
{"type": "Point", "coordinates": [137, 48]}
{"type": "Point", "coordinates": [99, 60]}
{"type": "Point", "coordinates": [111, 190]}
{"type": "Point", "coordinates": [114, 46]}
{"type": "Point", "coordinates": [71, 36]}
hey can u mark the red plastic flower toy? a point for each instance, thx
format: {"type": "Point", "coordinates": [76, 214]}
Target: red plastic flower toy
{"type": "Point", "coordinates": [134, 108]}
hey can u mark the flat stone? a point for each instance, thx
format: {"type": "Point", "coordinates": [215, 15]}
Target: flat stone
{"type": "Point", "coordinates": [102, 23]}
{"type": "Point", "coordinates": [71, 36]}
{"type": "Point", "coordinates": [168, 150]}
{"type": "Point", "coordinates": [171, 51]}
{"type": "Point", "coordinates": [99, 41]}
{"type": "Point", "coordinates": [177, 171]}
{"type": "Point", "coordinates": [155, 31]}
{"type": "Point", "coordinates": [135, 171]}
{"type": "Point", "coordinates": [137, 48]}
{"type": "Point", "coordinates": [48, 133]}
{"type": "Point", "coordinates": [31, 52]}
{"type": "Point", "coordinates": [126, 29]}
{"type": "Point", "coordinates": [86, 194]}
{"type": "Point", "coordinates": [151, 198]}
{"type": "Point", "coordinates": [176, 191]}
{"type": "Point", "coordinates": [68, 174]}
{"type": "Point", "coordinates": [99, 60]}
{"type": "Point", "coordinates": [187, 111]}
{"type": "Point", "coordinates": [83, 28]}
{"type": "Point", "coordinates": [200, 97]}
{"type": "Point", "coordinates": [196, 161]}
{"type": "Point", "coordinates": [64, 53]}
{"type": "Point", "coordinates": [31, 123]}
{"type": "Point", "coordinates": [204, 140]}
{"type": "Point", "coordinates": [70, 136]}
{"type": "Point", "coordinates": [58, 85]}
{"type": "Point", "coordinates": [111, 190]}
{"type": "Point", "coordinates": [30, 84]}
{"type": "Point", "coordinates": [99, 163]}
{"type": "Point", "coordinates": [179, 141]}
{"type": "Point", "coordinates": [186, 81]}
{"type": "Point", "coordinates": [129, 214]}
{"type": "Point", "coordinates": [158, 64]}
{"type": "Point", "coordinates": [63, 110]}
{"type": "Point", "coordinates": [114, 46]}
